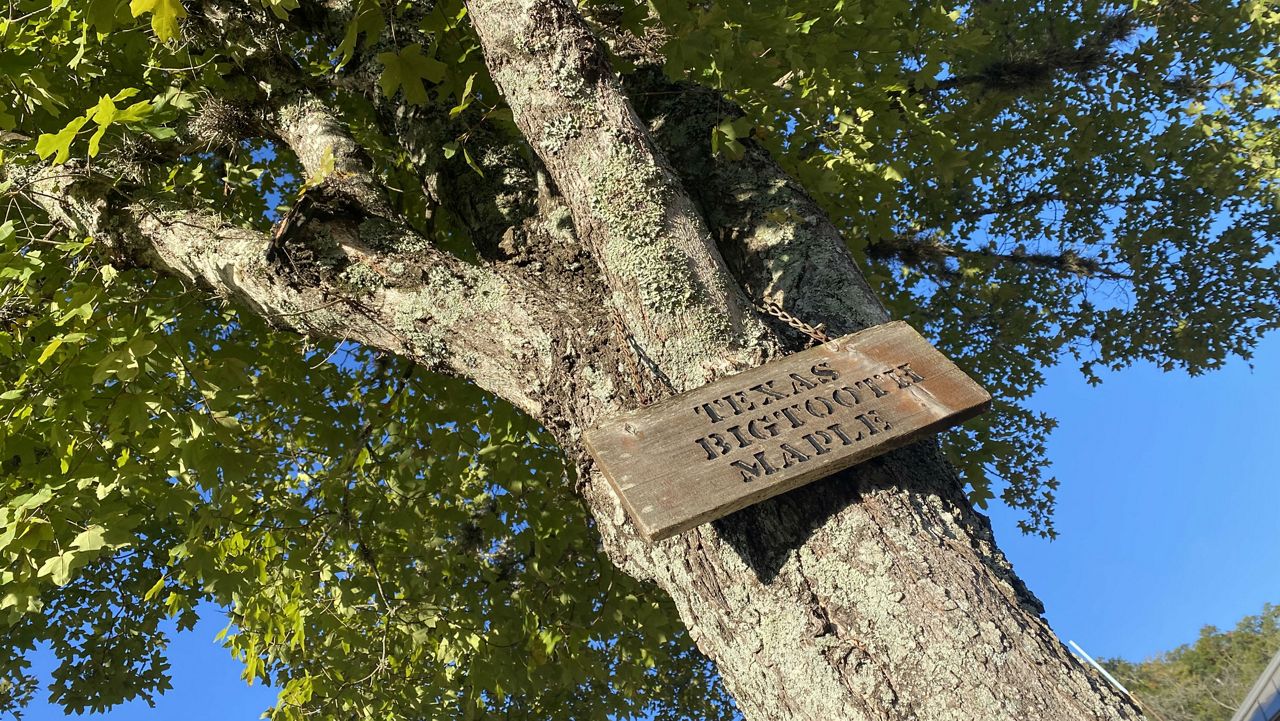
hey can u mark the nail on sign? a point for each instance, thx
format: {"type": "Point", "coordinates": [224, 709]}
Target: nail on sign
{"type": "Point", "coordinates": [709, 452]}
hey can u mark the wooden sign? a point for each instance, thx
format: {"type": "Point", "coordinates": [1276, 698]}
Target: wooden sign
{"type": "Point", "coordinates": [709, 452]}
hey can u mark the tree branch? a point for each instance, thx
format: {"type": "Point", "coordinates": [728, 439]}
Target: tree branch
{"type": "Point", "coordinates": [1024, 71]}
{"type": "Point", "coordinates": [925, 251]}
{"type": "Point", "coordinates": [779, 243]}
{"type": "Point", "coordinates": [656, 254]}
{"type": "Point", "coordinates": [328, 154]}
{"type": "Point", "coordinates": [360, 278]}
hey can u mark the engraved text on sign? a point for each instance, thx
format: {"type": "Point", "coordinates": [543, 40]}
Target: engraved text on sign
{"type": "Point", "coordinates": [706, 453]}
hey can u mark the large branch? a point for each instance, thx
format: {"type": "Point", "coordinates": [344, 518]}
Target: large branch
{"type": "Point", "coordinates": [363, 279]}
{"type": "Point", "coordinates": [328, 154]}
{"type": "Point", "coordinates": [661, 264]}
{"type": "Point", "coordinates": [778, 241]}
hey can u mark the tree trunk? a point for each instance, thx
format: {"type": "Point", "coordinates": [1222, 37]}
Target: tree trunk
{"type": "Point", "coordinates": [875, 594]}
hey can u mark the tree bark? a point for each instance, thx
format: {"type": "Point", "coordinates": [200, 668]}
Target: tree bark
{"type": "Point", "coordinates": [875, 594]}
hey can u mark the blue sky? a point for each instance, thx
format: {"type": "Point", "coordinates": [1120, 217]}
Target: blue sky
{"type": "Point", "coordinates": [1166, 515]}
{"type": "Point", "coordinates": [1168, 509]}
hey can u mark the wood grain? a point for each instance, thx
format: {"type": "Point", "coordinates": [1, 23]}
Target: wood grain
{"type": "Point", "coordinates": [704, 454]}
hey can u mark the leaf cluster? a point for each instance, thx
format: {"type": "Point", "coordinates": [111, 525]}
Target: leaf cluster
{"type": "Point", "coordinates": [388, 543]}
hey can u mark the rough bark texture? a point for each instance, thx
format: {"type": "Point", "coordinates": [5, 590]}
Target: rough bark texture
{"type": "Point", "coordinates": [653, 248]}
{"type": "Point", "coordinates": [876, 594]}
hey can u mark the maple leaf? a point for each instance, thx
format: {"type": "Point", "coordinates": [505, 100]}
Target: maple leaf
{"type": "Point", "coordinates": [165, 15]}
{"type": "Point", "coordinates": [406, 70]}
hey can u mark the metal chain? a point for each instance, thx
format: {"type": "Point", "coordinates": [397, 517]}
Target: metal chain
{"type": "Point", "coordinates": [639, 391]}
{"type": "Point", "coordinates": [818, 332]}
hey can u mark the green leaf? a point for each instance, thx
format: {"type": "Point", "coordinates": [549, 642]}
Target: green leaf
{"type": "Point", "coordinates": [281, 8]}
{"type": "Point", "coordinates": [49, 350]}
{"type": "Point", "coordinates": [466, 99]}
{"type": "Point", "coordinates": [369, 21]}
{"type": "Point", "coordinates": [155, 590]}
{"type": "Point", "coordinates": [58, 568]}
{"type": "Point", "coordinates": [59, 144]}
{"type": "Point", "coordinates": [466, 155]}
{"type": "Point", "coordinates": [725, 138]}
{"type": "Point", "coordinates": [103, 114]}
{"type": "Point", "coordinates": [327, 164]}
{"type": "Point", "coordinates": [165, 15]}
{"type": "Point", "coordinates": [90, 539]}
{"type": "Point", "coordinates": [101, 15]}
{"type": "Point", "coordinates": [142, 347]}
{"type": "Point", "coordinates": [406, 71]}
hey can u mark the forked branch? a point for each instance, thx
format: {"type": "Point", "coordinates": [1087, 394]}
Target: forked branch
{"type": "Point", "coordinates": [655, 251]}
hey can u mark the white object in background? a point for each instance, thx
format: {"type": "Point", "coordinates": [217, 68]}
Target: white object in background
{"type": "Point", "coordinates": [1101, 670]}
